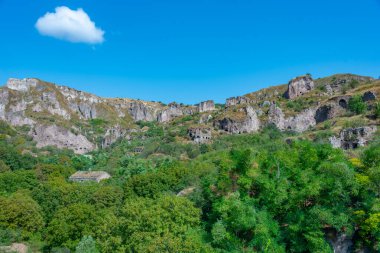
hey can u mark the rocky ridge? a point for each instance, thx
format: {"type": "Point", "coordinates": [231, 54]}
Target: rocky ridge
{"type": "Point", "coordinates": [68, 118]}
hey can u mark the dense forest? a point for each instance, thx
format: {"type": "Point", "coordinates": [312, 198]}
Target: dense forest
{"type": "Point", "coordinates": [270, 191]}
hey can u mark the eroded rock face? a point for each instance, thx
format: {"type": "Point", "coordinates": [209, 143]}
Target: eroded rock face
{"type": "Point", "coordinates": [206, 106]}
{"type": "Point", "coordinates": [302, 121]}
{"type": "Point", "coordinates": [112, 135]}
{"type": "Point", "coordinates": [299, 123]}
{"type": "Point", "coordinates": [276, 116]}
{"type": "Point", "coordinates": [237, 101]}
{"type": "Point", "coordinates": [328, 111]}
{"type": "Point", "coordinates": [200, 134]}
{"type": "Point", "coordinates": [351, 138]}
{"type": "Point", "coordinates": [61, 138]}
{"type": "Point", "coordinates": [299, 86]}
{"type": "Point", "coordinates": [247, 124]}
{"type": "Point", "coordinates": [139, 111]}
{"type": "Point", "coordinates": [173, 110]}
{"type": "Point", "coordinates": [21, 84]}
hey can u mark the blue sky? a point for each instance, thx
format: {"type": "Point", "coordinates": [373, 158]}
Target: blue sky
{"type": "Point", "coordinates": [189, 51]}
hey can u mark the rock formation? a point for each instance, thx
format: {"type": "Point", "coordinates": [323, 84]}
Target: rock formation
{"type": "Point", "coordinates": [352, 138]}
{"type": "Point", "coordinates": [237, 101]}
{"type": "Point", "coordinates": [244, 120]}
{"type": "Point", "coordinates": [302, 121]}
{"type": "Point", "coordinates": [328, 111]}
{"type": "Point", "coordinates": [299, 123]}
{"type": "Point", "coordinates": [206, 106]}
{"type": "Point", "coordinates": [112, 135]}
{"type": "Point", "coordinates": [276, 116]}
{"type": "Point", "coordinates": [200, 134]}
{"type": "Point", "coordinates": [61, 138]}
{"type": "Point", "coordinates": [21, 84]}
{"type": "Point", "coordinates": [173, 110]}
{"type": "Point", "coordinates": [299, 86]}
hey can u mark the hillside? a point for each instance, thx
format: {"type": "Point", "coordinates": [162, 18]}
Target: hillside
{"type": "Point", "coordinates": [289, 168]}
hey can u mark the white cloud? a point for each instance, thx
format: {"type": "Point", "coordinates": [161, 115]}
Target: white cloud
{"type": "Point", "coordinates": [70, 25]}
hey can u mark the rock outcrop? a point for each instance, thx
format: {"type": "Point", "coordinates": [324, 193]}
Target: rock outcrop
{"type": "Point", "coordinates": [237, 101]}
{"type": "Point", "coordinates": [142, 112]}
{"type": "Point", "coordinates": [298, 123]}
{"type": "Point", "coordinates": [112, 135]}
{"type": "Point", "coordinates": [276, 117]}
{"type": "Point", "coordinates": [299, 86]}
{"type": "Point", "coordinates": [61, 138]}
{"type": "Point", "coordinates": [336, 83]}
{"type": "Point", "coordinates": [302, 121]}
{"type": "Point", "coordinates": [352, 138]}
{"type": "Point", "coordinates": [328, 111]}
{"type": "Point", "coordinates": [244, 120]}
{"type": "Point", "coordinates": [200, 134]}
{"type": "Point", "coordinates": [206, 106]}
{"type": "Point", "coordinates": [21, 84]}
{"type": "Point", "coordinates": [173, 110]}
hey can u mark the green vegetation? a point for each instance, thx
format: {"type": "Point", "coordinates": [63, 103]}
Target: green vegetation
{"type": "Point", "coordinates": [251, 193]}
{"type": "Point", "coordinates": [356, 105]}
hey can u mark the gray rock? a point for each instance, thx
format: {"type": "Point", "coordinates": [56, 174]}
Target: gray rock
{"type": "Point", "coordinates": [141, 111]}
{"type": "Point", "coordinates": [247, 124]}
{"type": "Point", "coordinates": [60, 137]}
{"type": "Point", "coordinates": [299, 86]}
{"type": "Point", "coordinates": [301, 122]}
{"type": "Point", "coordinates": [328, 111]}
{"type": "Point", "coordinates": [21, 84]}
{"type": "Point", "coordinates": [112, 135]}
{"type": "Point", "coordinates": [352, 138]}
{"type": "Point", "coordinates": [206, 106]}
{"type": "Point", "coordinates": [276, 116]}
{"type": "Point", "coordinates": [341, 242]}
{"type": "Point", "coordinates": [200, 134]}
{"type": "Point", "coordinates": [173, 110]}
{"type": "Point", "coordinates": [237, 101]}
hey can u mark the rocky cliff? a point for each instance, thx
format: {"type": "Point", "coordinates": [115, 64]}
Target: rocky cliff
{"type": "Point", "coordinates": [67, 118]}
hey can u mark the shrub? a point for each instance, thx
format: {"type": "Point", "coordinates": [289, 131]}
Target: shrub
{"type": "Point", "coordinates": [377, 110]}
{"type": "Point", "coordinates": [356, 104]}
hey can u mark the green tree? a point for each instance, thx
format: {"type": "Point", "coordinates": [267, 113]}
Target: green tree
{"type": "Point", "coordinates": [86, 245]}
{"type": "Point", "coordinates": [356, 104]}
{"type": "Point", "coordinates": [20, 211]}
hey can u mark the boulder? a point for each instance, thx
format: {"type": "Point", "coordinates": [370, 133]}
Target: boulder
{"type": "Point", "coordinates": [299, 86]}
{"type": "Point", "coordinates": [352, 138]}
{"type": "Point", "coordinates": [200, 134]}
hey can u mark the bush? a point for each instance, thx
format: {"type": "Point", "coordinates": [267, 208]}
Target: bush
{"type": "Point", "coordinates": [356, 104]}
{"type": "Point", "coordinates": [377, 110]}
